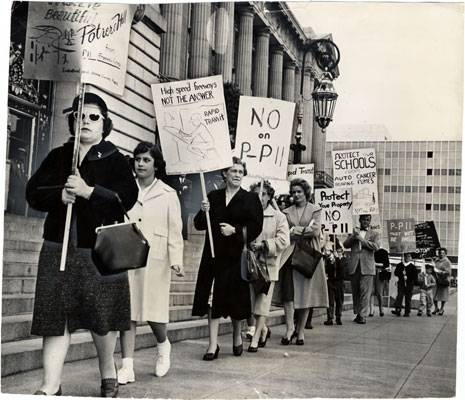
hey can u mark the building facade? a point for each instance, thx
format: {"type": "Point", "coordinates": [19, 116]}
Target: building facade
{"type": "Point", "coordinates": [416, 179]}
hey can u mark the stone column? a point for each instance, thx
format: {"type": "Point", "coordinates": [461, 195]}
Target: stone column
{"type": "Point", "coordinates": [289, 81]}
{"type": "Point", "coordinates": [276, 73]}
{"type": "Point", "coordinates": [318, 147]}
{"type": "Point", "coordinates": [298, 81]}
{"type": "Point", "coordinates": [224, 39]}
{"type": "Point", "coordinates": [199, 58]}
{"type": "Point", "coordinates": [244, 51]}
{"type": "Point", "coordinates": [260, 75]}
{"type": "Point", "coordinates": [171, 40]}
{"type": "Point", "coordinates": [307, 119]}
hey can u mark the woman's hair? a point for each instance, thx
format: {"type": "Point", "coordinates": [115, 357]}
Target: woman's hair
{"type": "Point", "coordinates": [235, 160]}
{"type": "Point", "coordinates": [304, 185]}
{"type": "Point", "coordinates": [442, 248]}
{"type": "Point", "coordinates": [91, 98]}
{"type": "Point", "coordinates": [158, 161]}
{"type": "Point", "coordinates": [286, 199]}
{"type": "Point", "coordinates": [267, 186]}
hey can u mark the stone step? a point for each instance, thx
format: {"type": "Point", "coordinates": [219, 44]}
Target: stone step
{"type": "Point", "coordinates": [19, 269]}
{"type": "Point", "coordinates": [22, 245]}
{"type": "Point", "coordinates": [25, 355]}
{"type": "Point", "coordinates": [188, 277]}
{"type": "Point", "coordinates": [18, 285]}
{"type": "Point", "coordinates": [24, 256]}
{"type": "Point", "coordinates": [13, 304]}
{"type": "Point", "coordinates": [182, 286]}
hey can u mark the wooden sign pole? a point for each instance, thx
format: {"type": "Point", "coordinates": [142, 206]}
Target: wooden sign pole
{"type": "Point", "coordinates": [209, 228]}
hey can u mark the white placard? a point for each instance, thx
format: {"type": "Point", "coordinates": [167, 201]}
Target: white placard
{"type": "Point", "coordinates": [264, 128]}
{"type": "Point", "coordinates": [281, 186]}
{"type": "Point", "coordinates": [82, 42]}
{"type": "Point", "coordinates": [357, 169]}
{"type": "Point", "coordinates": [336, 206]}
{"type": "Point", "coordinates": [193, 125]}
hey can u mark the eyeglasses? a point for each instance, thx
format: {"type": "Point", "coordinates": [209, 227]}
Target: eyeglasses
{"type": "Point", "coordinates": [92, 117]}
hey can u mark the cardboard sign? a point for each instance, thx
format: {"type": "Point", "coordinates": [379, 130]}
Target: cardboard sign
{"type": "Point", "coordinates": [82, 42]}
{"type": "Point", "coordinates": [427, 240]}
{"type": "Point", "coordinates": [193, 125]}
{"type": "Point", "coordinates": [303, 171]}
{"type": "Point", "coordinates": [336, 207]}
{"type": "Point", "coordinates": [401, 235]}
{"type": "Point", "coordinates": [357, 169]}
{"type": "Point", "coordinates": [264, 128]}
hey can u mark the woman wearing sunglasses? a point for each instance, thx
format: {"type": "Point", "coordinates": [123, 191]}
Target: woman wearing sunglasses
{"type": "Point", "coordinates": [79, 297]}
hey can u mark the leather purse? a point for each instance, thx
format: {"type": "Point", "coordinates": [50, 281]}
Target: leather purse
{"type": "Point", "coordinates": [249, 263]}
{"type": "Point", "coordinates": [120, 247]}
{"type": "Point", "coordinates": [305, 258]}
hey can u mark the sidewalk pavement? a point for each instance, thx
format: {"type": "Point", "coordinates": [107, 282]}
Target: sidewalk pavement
{"type": "Point", "coordinates": [389, 357]}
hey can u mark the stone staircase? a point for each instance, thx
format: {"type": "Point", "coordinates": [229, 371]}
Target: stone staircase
{"type": "Point", "coordinates": [22, 352]}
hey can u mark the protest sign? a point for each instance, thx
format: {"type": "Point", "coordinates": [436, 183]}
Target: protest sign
{"type": "Point", "coordinates": [427, 240]}
{"type": "Point", "coordinates": [193, 125]}
{"type": "Point", "coordinates": [357, 169]}
{"type": "Point", "coordinates": [82, 42]}
{"type": "Point", "coordinates": [401, 235]}
{"type": "Point", "coordinates": [336, 207]}
{"type": "Point", "coordinates": [264, 128]}
{"type": "Point", "coordinates": [281, 186]}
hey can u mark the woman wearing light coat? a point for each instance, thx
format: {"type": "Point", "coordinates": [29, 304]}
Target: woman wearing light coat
{"type": "Point", "coordinates": [158, 215]}
{"type": "Point", "coordinates": [268, 247]}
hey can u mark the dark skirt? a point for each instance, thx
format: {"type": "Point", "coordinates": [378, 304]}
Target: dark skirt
{"type": "Point", "coordinates": [284, 288]}
{"type": "Point", "coordinates": [78, 296]}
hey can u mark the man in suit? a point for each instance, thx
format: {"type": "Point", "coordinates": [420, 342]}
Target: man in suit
{"type": "Point", "coordinates": [363, 243]}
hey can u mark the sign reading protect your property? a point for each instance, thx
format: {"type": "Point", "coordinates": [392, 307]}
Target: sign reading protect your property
{"type": "Point", "coordinates": [357, 169]}
{"type": "Point", "coordinates": [264, 128]}
{"type": "Point", "coordinates": [193, 125]}
{"type": "Point", "coordinates": [401, 234]}
{"type": "Point", "coordinates": [82, 42]}
{"type": "Point", "coordinates": [336, 207]}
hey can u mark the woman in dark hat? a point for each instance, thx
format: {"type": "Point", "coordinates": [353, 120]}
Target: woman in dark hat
{"type": "Point", "coordinates": [79, 297]}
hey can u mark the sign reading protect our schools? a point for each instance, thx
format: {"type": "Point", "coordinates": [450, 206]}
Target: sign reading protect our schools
{"type": "Point", "coordinates": [427, 240]}
{"type": "Point", "coordinates": [357, 169]}
{"type": "Point", "coordinates": [336, 207]}
{"type": "Point", "coordinates": [193, 125]}
{"type": "Point", "coordinates": [264, 128]}
{"type": "Point", "coordinates": [401, 235]}
{"type": "Point", "coordinates": [82, 42]}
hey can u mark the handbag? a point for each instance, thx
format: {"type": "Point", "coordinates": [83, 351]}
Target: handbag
{"type": "Point", "coordinates": [442, 280]}
{"type": "Point", "coordinates": [305, 258]}
{"type": "Point", "coordinates": [384, 275]}
{"type": "Point", "coordinates": [252, 270]}
{"type": "Point", "coordinates": [119, 247]}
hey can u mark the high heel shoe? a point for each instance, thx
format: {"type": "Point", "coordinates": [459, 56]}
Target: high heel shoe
{"type": "Point", "coordinates": [237, 350]}
{"type": "Point", "coordinates": [262, 343]}
{"type": "Point", "coordinates": [299, 342]}
{"type": "Point", "coordinates": [211, 356]}
{"type": "Point", "coordinates": [285, 341]}
{"type": "Point", "coordinates": [252, 349]}
{"type": "Point", "coordinates": [441, 312]}
{"type": "Point", "coordinates": [42, 393]}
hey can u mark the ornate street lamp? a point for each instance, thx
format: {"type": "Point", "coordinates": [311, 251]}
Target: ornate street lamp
{"type": "Point", "coordinates": [327, 56]}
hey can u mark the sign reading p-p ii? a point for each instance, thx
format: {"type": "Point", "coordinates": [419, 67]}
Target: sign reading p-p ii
{"type": "Point", "coordinates": [401, 233]}
{"type": "Point", "coordinates": [336, 206]}
{"type": "Point", "coordinates": [264, 128]}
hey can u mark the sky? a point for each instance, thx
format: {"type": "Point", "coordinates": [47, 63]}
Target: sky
{"type": "Point", "coordinates": [401, 65]}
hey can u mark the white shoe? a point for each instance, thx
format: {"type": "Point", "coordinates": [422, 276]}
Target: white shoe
{"type": "Point", "coordinates": [126, 375]}
{"type": "Point", "coordinates": [250, 332]}
{"type": "Point", "coordinates": [162, 364]}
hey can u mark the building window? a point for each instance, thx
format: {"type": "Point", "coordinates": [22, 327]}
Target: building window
{"type": "Point", "coordinates": [408, 189]}
{"type": "Point", "coordinates": [443, 171]}
{"type": "Point", "coordinates": [443, 207]}
{"type": "Point", "coordinates": [400, 189]}
{"type": "Point", "coordinates": [429, 171]}
{"type": "Point", "coordinates": [437, 189]}
{"type": "Point", "coordinates": [421, 189]}
{"type": "Point", "coordinates": [457, 189]}
{"type": "Point", "coordinates": [414, 189]}
{"type": "Point", "coordinates": [430, 154]}
{"type": "Point", "coordinates": [393, 189]}
{"type": "Point", "coordinates": [428, 207]}
{"type": "Point", "coordinates": [457, 207]}
{"type": "Point", "coordinates": [458, 172]}
{"type": "Point", "coordinates": [387, 171]}
{"type": "Point", "coordinates": [452, 172]}
{"type": "Point", "coordinates": [437, 171]}
{"type": "Point", "coordinates": [450, 207]}
{"type": "Point", "coordinates": [443, 189]}
{"type": "Point", "coordinates": [451, 189]}
{"type": "Point", "coordinates": [436, 207]}
{"type": "Point", "coordinates": [429, 189]}
{"type": "Point", "coordinates": [387, 189]}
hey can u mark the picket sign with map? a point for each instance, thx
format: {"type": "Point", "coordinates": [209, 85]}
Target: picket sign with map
{"type": "Point", "coordinates": [81, 42]}
{"type": "Point", "coordinates": [357, 169]}
{"type": "Point", "coordinates": [401, 235]}
{"type": "Point", "coordinates": [193, 125]}
{"type": "Point", "coordinates": [263, 136]}
{"type": "Point", "coordinates": [303, 171]}
{"type": "Point", "coordinates": [336, 210]}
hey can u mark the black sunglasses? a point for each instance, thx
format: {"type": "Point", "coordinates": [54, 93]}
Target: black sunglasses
{"type": "Point", "coordinates": [92, 117]}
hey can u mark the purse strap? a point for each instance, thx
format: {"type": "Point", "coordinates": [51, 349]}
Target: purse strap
{"type": "Point", "coordinates": [122, 206]}
{"type": "Point", "coordinates": [244, 236]}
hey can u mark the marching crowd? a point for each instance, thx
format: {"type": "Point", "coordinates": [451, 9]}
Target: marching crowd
{"type": "Point", "coordinates": [266, 252]}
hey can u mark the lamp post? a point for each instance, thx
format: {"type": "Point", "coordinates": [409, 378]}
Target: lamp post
{"type": "Point", "coordinates": [298, 147]}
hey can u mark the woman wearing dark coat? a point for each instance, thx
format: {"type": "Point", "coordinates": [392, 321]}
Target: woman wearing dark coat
{"type": "Point", "coordinates": [79, 297]}
{"type": "Point", "coordinates": [231, 209]}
